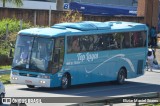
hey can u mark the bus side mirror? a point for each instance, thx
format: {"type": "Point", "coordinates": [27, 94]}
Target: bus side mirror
{"type": "Point", "coordinates": [10, 53]}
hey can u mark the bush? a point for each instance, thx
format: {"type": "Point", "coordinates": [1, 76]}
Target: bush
{"type": "Point", "coordinates": [71, 16]}
{"type": "Point", "coordinates": [13, 26]}
{"type": "Point", "coordinates": [6, 60]}
{"type": "Point", "coordinates": [6, 44]}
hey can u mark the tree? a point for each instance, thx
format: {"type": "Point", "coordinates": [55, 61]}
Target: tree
{"type": "Point", "coordinates": [18, 3]}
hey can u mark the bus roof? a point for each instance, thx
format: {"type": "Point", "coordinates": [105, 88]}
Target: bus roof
{"type": "Point", "coordinates": [62, 29]}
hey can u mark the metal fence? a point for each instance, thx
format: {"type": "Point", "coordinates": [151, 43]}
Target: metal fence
{"type": "Point", "coordinates": [50, 17]}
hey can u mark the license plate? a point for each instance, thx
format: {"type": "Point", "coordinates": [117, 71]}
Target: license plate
{"type": "Point", "coordinates": [28, 81]}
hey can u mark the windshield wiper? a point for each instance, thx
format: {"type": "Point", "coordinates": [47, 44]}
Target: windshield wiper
{"type": "Point", "coordinates": [18, 67]}
{"type": "Point", "coordinates": [35, 68]}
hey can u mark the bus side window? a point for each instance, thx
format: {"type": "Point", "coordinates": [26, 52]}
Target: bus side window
{"type": "Point", "coordinates": [99, 44]}
{"type": "Point", "coordinates": [126, 41]}
{"type": "Point", "coordinates": [144, 38]}
{"type": "Point", "coordinates": [106, 41]}
{"type": "Point", "coordinates": [58, 55]}
{"type": "Point", "coordinates": [95, 43]}
{"type": "Point", "coordinates": [117, 38]}
{"type": "Point", "coordinates": [113, 42]}
{"type": "Point", "coordinates": [69, 44]}
{"type": "Point", "coordinates": [86, 43]}
{"type": "Point", "coordinates": [138, 39]}
{"type": "Point", "coordinates": [83, 43]}
{"type": "Point", "coordinates": [91, 41]}
{"type": "Point", "coordinates": [135, 39]}
{"type": "Point", "coordinates": [73, 44]}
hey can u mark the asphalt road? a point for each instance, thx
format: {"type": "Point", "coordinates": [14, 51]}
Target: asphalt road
{"type": "Point", "coordinates": [150, 82]}
{"type": "Point", "coordinates": [2, 72]}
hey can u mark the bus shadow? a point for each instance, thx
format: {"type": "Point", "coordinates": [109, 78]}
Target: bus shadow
{"type": "Point", "coordinates": [101, 89]}
{"type": "Point", "coordinates": [73, 87]}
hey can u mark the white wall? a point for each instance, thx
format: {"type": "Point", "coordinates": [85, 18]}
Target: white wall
{"type": "Point", "coordinates": [33, 5]}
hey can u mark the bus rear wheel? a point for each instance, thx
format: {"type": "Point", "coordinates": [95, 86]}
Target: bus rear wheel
{"type": "Point", "coordinates": [121, 76]}
{"type": "Point", "coordinates": [30, 86]}
{"type": "Point", "coordinates": [65, 81]}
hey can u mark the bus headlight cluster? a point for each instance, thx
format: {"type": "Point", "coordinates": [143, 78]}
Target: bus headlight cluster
{"type": "Point", "coordinates": [14, 78]}
{"type": "Point", "coordinates": [42, 82]}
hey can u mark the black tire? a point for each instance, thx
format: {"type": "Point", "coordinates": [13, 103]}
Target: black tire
{"type": "Point", "coordinates": [30, 86]}
{"type": "Point", "coordinates": [65, 81]}
{"type": "Point", "coordinates": [2, 95]}
{"type": "Point", "coordinates": [121, 76]}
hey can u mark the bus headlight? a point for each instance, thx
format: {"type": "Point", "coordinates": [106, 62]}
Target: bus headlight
{"type": "Point", "coordinates": [14, 78]}
{"type": "Point", "coordinates": [42, 82]}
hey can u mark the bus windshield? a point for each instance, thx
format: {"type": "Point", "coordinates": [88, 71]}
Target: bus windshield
{"type": "Point", "coordinates": [33, 54]}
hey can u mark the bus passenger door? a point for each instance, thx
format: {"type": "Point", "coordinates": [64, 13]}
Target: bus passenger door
{"type": "Point", "coordinates": [58, 54]}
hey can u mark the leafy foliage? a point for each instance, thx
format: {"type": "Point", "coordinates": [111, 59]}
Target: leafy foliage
{"type": "Point", "coordinates": [18, 3]}
{"type": "Point", "coordinates": [8, 67]}
{"type": "Point", "coordinates": [71, 16]}
{"type": "Point", "coordinates": [13, 26]}
{"type": "Point", "coordinates": [7, 42]}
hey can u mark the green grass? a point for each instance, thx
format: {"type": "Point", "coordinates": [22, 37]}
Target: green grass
{"type": "Point", "coordinates": [5, 67]}
{"type": "Point", "coordinates": [5, 79]}
{"type": "Point", "coordinates": [13, 25]}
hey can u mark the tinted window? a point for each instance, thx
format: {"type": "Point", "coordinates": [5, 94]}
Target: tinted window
{"type": "Point", "coordinates": [22, 51]}
{"type": "Point", "coordinates": [110, 41]}
{"type": "Point", "coordinates": [41, 54]}
{"type": "Point", "coordinates": [58, 54]}
{"type": "Point", "coordinates": [138, 39]}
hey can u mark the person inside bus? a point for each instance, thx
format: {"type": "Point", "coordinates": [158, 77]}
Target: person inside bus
{"type": "Point", "coordinates": [24, 55]}
{"type": "Point", "coordinates": [126, 41]}
{"type": "Point", "coordinates": [135, 39]}
{"type": "Point", "coordinates": [75, 45]}
{"type": "Point", "coordinates": [43, 56]}
{"type": "Point", "coordinates": [101, 43]}
{"type": "Point", "coordinates": [42, 50]}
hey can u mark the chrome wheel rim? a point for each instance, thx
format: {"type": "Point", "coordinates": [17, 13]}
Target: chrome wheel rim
{"type": "Point", "coordinates": [64, 81]}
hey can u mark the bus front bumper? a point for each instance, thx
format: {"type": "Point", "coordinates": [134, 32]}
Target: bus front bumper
{"type": "Point", "coordinates": [24, 80]}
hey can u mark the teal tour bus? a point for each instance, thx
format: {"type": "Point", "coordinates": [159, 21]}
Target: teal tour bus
{"type": "Point", "coordinates": [78, 53]}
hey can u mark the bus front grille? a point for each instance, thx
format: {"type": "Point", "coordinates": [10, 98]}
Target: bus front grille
{"type": "Point", "coordinates": [28, 75]}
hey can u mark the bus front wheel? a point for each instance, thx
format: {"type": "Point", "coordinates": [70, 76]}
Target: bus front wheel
{"type": "Point", "coordinates": [65, 81]}
{"type": "Point", "coordinates": [2, 95]}
{"type": "Point", "coordinates": [30, 86]}
{"type": "Point", "coordinates": [121, 76]}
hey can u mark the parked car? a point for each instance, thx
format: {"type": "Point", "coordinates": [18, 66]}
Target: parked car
{"type": "Point", "coordinates": [2, 92]}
